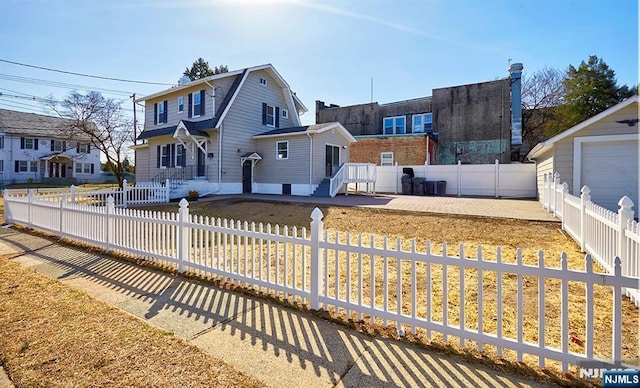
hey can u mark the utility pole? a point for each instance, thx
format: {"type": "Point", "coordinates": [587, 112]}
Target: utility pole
{"type": "Point", "coordinates": [135, 122]}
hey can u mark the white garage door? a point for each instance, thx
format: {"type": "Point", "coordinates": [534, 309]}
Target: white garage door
{"type": "Point", "coordinates": [610, 170]}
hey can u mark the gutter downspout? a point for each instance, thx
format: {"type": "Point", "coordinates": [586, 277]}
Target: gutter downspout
{"type": "Point", "coordinates": [310, 163]}
{"type": "Point", "coordinates": [213, 111]}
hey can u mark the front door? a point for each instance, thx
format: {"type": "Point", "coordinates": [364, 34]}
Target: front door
{"type": "Point", "coordinates": [57, 170]}
{"type": "Point", "coordinates": [247, 176]}
{"type": "Point", "coordinates": [201, 161]}
{"type": "Point", "coordinates": [332, 159]}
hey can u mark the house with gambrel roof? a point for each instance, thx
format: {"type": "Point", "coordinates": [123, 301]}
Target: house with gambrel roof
{"type": "Point", "coordinates": [40, 148]}
{"type": "Point", "coordinates": [236, 132]}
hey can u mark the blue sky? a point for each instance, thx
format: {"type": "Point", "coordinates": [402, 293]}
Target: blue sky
{"type": "Point", "coordinates": [326, 49]}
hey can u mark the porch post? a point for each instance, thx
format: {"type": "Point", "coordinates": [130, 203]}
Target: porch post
{"type": "Point", "coordinates": [46, 168]}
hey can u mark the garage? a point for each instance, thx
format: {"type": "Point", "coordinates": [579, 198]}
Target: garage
{"type": "Point", "coordinates": [610, 170]}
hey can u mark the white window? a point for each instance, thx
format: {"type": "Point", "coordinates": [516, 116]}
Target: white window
{"type": "Point", "coordinates": [164, 156]}
{"type": "Point", "coordinates": [394, 125]}
{"type": "Point", "coordinates": [282, 150]}
{"type": "Point", "coordinates": [285, 113]}
{"type": "Point", "coordinates": [181, 104]}
{"type": "Point", "coordinates": [29, 144]}
{"type": "Point", "coordinates": [196, 105]}
{"type": "Point", "coordinates": [386, 159]}
{"type": "Point", "coordinates": [270, 112]}
{"type": "Point", "coordinates": [160, 113]}
{"type": "Point", "coordinates": [58, 146]}
{"type": "Point", "coordinates": [83, 148]}
{"type": "Point", "coordinates": [83, 168]}
{"type": "Point", "coordinates": [422, 123]}
{"type": "Point", "coordinates": [1, 142]}
{"type": "Point", "coordinates": [263, 81]}
{"type": "Point", "coordinates": [27, 166]}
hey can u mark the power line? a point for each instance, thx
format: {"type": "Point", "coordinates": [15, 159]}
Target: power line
{"type": "Point", "coordinates": [62, 85]}
{"type": "Point", "coordinates": [46, 100]}
{"type": "Point", "coordinates": [85, 75]}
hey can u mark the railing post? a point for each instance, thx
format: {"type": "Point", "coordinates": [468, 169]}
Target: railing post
{"type": "Point", "coordinates": [167, 188]}
{"type": "Point", "coordinates": [616, 321]}
{"type": "Point", "coordinates": [397, 178]}
{"type": "Point", "coordinates": [625, 213]}
{"type": "Point", "coordinates": [124, 193]}
{"type": "Point", "coordinates": [317, 227]}
{"type": "Point", "coordinates": [72, 189]}
{"type": "Point", "coordinates": [183, 234]}
{"type": "Point", "coordinates": [63, 205]}
{"type": "Point", "coordinates": [585, 196]}
{"type": "Point", "coordinates": [7, 209]}
{"type": "Point", "coordinates": [110, 210]}
{"type": "Point", "coordinates": [29, 221]}
{"type": "Point", "coordinates": [497, 178]}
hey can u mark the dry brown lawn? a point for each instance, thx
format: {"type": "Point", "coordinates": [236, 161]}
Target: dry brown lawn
{"type": "Point", "coordinates": [490, 233]}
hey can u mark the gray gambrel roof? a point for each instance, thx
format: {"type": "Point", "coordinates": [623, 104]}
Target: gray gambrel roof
{"type": "Point", "coordinates": [32, 124]}
{"type": "Point", "coordinates": [195, 128]}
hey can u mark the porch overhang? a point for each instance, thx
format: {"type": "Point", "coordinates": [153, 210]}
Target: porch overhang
{"type": "Point", "coordinates": [254, 157]}
{"type": "Point", "coordinates": [189, 132]}
{"type": "Point", "coordinates": [56, 156]}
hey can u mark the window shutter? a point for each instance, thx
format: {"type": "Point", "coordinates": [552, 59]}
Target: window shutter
{"type": "Point", "coordinates": [183, 161]}
{"type": "Point", "coordinates": [172, 155]}
{"type": "Point", "coordinates": [92, 168]}
{"type": "Point", "coordinates": [202, 104]}
{"type": "Point", "coordinates": [155, 113]}
{"type": "Point", "coordinates": [52, 142]}
{"type": "Point", "coordinates": [277, 117]}
{"type": "Point", "coordinates": [264, 113]}
{"type": "Point", "coordinates": [22, 143]}
{"type": "Point", "coordinates": [64, 145]}
{"type": "Point", "coordinates": [190, 105]}
{"type": "Point", "coordinates": [159, 156]}
{"type": "Point", "coordinates": [17, 165]}
{"type": "Point", "coordinates": [35, 144]}
{"type": "Point", "coordinates": [88, 147]}
{"type": "Point", "coordinates": [165, 115]}
{"type": "Point", "coordinates": [77, 148]}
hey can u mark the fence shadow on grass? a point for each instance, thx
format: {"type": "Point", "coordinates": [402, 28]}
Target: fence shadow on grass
{"type": "Point", "coordinates": [274, 343]}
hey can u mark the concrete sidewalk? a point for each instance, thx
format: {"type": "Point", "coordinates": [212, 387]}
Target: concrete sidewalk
{"type": "Point", "coordinates": [278, 345]}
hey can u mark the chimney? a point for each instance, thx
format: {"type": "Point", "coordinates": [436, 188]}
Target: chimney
{"type": "Point", "coordinates": [515, 71]}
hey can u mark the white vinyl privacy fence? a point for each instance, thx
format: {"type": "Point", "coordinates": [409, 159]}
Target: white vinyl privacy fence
{"type": "Point", "coordinates": [604, 234]}
{"type": "Point", "coordinates": [495, 180]}
{"type": "Point", "coordinates": [482, 299]}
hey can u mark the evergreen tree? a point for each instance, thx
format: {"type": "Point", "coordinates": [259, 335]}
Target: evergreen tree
{"type": "Point", "coordinates": [200, 69]}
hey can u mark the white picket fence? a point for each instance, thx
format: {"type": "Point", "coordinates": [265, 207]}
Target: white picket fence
{"type": "Point", "coordinates": [141, 194]}
{"type": "Point", "coordinates": [600, 232]}
{"type": "Point", "coordinates": [495, 180]}
{"type": "Point", "coordinates": [369, 278]}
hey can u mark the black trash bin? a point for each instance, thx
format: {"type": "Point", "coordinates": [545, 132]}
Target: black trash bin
{"type": "Point", "coordinates": [407, 184]}
{"type": "Point", "coordinates": [418, 186]}
{"type": "Point", "coordinates": [441, 187]}
{"type": "Point", "coordinates": [430, 187]}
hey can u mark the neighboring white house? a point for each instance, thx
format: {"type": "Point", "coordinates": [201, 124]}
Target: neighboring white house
{"type": "Point", "coordinates": [236, 132]}
{"type": "Point", "coordinates": [38, 148]}
{"type": "Point", "coordinates": [601, 153]}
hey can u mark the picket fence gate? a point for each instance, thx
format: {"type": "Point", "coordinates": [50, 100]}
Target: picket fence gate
{"type": "Point", "coordinates": [369, 278]}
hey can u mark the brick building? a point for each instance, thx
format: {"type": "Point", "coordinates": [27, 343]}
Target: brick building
{"type": "Point", "coordinates": [474, 123]}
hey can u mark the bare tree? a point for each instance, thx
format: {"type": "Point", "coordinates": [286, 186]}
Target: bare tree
{"type": "Point", "coordinates": [101, 122]}
{"type": "Point", "coordinates": [542, 94]}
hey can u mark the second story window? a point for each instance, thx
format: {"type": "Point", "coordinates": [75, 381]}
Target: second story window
{"type": "Point", "coordinates": [160, 112]}
{"type": "Point", "coordinates": [394, 125]}
{"type": "Point", "coordinates": [285, 113]}
{"type": "Point", "coordinates": [196, 104]}
{"type": "Point", "coordinates": [269, 115]}
{"type": "Point", "coordinates": [180, 104]}
{"type": "Point", "coordinates": [83, 148]}
{"type": "Point", "coordinates": [263, 81]}
{"type": "Point", "coordinates": [422, 123]}
{"type": "Point", "coordinates": [27, 143]}
{"type": "Point", "coordinates": [58, 146]}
